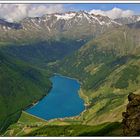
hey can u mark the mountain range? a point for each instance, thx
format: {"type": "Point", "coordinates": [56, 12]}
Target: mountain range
{"type": "Point", "coordinates": [74, 25]}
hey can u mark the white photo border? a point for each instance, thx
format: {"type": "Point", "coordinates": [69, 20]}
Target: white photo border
{"type": "Point", "coordinates": [69, 2]}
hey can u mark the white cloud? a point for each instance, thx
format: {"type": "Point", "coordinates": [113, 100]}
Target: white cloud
{"type": "Point", "coordinates": [42, 9]}
{"type": "Point", "coordinates": [114, 13]}
{"type": "Point", "coordinates": [16, 12]}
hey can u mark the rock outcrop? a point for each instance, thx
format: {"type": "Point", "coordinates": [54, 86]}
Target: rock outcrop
{"type": "Point", "coordinates": [131, 118]}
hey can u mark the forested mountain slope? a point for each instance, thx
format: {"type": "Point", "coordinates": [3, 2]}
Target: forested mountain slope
{"type": "Point", "coordinates": [20, 85]}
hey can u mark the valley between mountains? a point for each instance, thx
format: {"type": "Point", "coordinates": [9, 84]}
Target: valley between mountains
{"type": "Point", "coordinates": [102, 53]}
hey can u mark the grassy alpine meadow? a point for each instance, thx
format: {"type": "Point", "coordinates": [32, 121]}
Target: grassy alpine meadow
{"type": "Point", "coordinates": [29, 125]}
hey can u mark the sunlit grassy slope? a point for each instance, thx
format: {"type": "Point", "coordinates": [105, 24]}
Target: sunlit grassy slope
{"type": "Point", "coordinates": [25, 124]}
{"type": "Point", "coordinates": [31, 126]}
{"type": "Point", "coordinates": [107, 129]}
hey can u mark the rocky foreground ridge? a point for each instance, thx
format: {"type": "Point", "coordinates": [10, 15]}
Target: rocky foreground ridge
{"type": "Point", "coordinates": [131, 118]}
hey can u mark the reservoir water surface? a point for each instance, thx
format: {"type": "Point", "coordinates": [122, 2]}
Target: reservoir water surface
{"type": "Point", "coordinates": [62, 101]}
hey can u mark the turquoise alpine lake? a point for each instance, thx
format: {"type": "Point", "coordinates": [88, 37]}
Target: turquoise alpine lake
{"type": "Point", "coordinates": [62, 101]}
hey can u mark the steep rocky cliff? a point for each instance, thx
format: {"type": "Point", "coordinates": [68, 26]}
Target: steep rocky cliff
{"type": "Point", "coordinates": [131, 118]}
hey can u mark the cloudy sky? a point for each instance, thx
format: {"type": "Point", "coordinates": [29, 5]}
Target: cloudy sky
{"type": "Point", "coordinates": [16, 12]}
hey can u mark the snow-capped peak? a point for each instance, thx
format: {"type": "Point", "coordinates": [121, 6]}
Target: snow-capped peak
{"type": "Point", "coordinates": [65, 16]}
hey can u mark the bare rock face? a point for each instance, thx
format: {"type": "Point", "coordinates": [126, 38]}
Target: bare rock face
{"type": "Point", "coordinates": [131, 118]}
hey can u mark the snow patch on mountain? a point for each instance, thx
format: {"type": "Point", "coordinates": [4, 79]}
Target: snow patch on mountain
{"type": "Point", "coordinates": [65, 16]}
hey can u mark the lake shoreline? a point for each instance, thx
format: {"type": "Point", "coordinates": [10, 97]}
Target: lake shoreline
{"type": "Point", "coordinates": [68, 77]}
{"type": "Point", "coordinates": [35, 116]}
{"type": "Point", "coordinates": [37, 101]}
{"type": "Point", "coordinates": [80, 92]}
{"type": "Point", "coordinates": [63, 118]}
